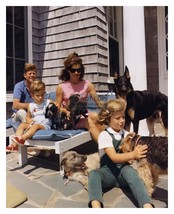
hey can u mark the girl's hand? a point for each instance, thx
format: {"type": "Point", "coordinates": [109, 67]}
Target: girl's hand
{"type": "Point", "coordinates": [140, 151]}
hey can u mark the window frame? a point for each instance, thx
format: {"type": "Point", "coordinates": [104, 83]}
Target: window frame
{"type": "Point", "coordinates": [26, 45]}
{"type": "Point", "coordinates": [116, 16]}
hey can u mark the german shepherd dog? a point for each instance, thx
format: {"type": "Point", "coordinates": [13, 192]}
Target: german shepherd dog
{"type": "Point", "coordinates": [77, 166]}
{"type": "Point", "coordinates": [59, 118]}
{"type": "Point", "coordinates": [156, 161]}
{"type": "Point", "coordinates": [147, 104]}
{"type": "Point", "coordinates": [77, 108]}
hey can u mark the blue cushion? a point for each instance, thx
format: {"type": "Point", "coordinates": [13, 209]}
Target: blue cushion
{"type": "Point", "coordinates": [104, 97]}
{"type": "Point", "coordinates": [51, 95]}
{"type": "Point", "coordinates": [15, 125]}
{"type": "Point", "coordinates": [50, 134]}
{"type": "Point", "coordinates": [55, 135]}
{"type": "Point", "coordinates": [9, 123]}
{"type": "Point", "coordinates": [91, 105]}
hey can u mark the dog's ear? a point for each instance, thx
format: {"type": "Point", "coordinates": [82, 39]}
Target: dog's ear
{"type": "Point", "coordinates": [116, 75]}
{"type": "Point", "coordinates": [54, 108]}
{"type": "Point", "coordinates": [126, 145]}
{"type": "Point", "coordinates": [131, 135]}
{"type": "Point", "coordinates": [63, 161]}
{"type": "Point", "coordinates": [126, 72]}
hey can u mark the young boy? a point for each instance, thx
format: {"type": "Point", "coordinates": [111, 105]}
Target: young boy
{"type": "Point", "coordinates": [35, 118]}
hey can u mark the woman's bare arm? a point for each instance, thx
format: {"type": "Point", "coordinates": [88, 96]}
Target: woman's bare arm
{"type": "Point", "coordinates": [94, 95]}
{"type": "Point", "coordinates": [59, 100]}
{"type": "Point", "coordinates": [59, 96]}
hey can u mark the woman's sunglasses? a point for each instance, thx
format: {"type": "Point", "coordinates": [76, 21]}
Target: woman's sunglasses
{"type": "Point", "coordinates": [73, 70]}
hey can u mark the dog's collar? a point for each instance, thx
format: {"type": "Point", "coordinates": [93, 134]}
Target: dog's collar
{"type": "Point", "coordinates": [75, 168]}
{"type": "Point", "coordinates": [67, 174]}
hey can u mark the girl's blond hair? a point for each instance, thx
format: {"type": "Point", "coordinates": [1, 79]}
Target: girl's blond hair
{"type": "Point", "coordinates": [36, 86]}
{"type": "Point", "coordinates": [110, 108]}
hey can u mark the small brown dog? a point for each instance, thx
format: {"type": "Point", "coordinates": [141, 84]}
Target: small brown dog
{"type": "Point", "coordinates": [156, 161]}
{"type": "Point", "coordinates": [77, 166]}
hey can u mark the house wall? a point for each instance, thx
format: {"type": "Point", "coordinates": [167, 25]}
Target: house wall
{"type": "Point", "coordinates": [151, 34]}
{"type": "Point", "coordinates": [58, 31]}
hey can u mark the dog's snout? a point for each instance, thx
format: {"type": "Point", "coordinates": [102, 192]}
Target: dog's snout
{"type": "Point", "coordinates": [123, 87]}
{"type": "Point", "coordinates": [123, 91]}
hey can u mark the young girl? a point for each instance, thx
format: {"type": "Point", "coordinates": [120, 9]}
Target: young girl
{"type": "Point", "coordinates": [114, 170]}
{"type": "Point", "coordinates": [35, 119]}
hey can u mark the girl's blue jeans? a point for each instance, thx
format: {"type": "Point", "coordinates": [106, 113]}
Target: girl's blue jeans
{"type": "Point", "coordinates": [119, 177]}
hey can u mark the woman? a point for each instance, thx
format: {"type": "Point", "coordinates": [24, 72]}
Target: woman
{"type": "Point", "coordinates": [73, 83]}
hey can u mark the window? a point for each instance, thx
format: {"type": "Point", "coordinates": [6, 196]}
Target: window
{"type": "Point", "coordinates": [16, 46]}
{"type": "Point", "coordinates": [113, 56]}
{"type": "Point", "coordinates": [114, 19]}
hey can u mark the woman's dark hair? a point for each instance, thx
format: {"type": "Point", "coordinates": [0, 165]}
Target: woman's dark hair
{"type": "Point", "coordinates": [72, 59]}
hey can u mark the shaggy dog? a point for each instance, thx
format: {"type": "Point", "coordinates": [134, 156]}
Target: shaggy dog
{"type": "Point", "coordinates": [59, 119]}
{"type": "Point", "coordinates": [147, 104]}
{"type": "Point", "coordinates": [156, 161]}
{"type": "Point", "coordinates": [77, 166]}
{"type": "Point", "coordinates": [77, 108]}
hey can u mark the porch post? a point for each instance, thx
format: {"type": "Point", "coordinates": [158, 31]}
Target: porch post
{"type": "Point", "coordinates": [134, 45]}
{"type": "Point", "coordinates": [134, 51]}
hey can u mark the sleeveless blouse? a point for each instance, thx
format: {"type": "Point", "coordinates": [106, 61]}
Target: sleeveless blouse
{"type": "Point", "coordinates": [69, 89]}
{"type": "Point", "coordinates": [38, 113]}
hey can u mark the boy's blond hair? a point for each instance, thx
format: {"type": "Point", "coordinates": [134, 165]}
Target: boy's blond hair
{"type": "Point", "coordinates": [110, 108]}
{"type": "Point", "coordinates": [36, 86]}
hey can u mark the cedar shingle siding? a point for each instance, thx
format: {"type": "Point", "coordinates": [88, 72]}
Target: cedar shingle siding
{"type": "Point", "coordinates": [58, 31]}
